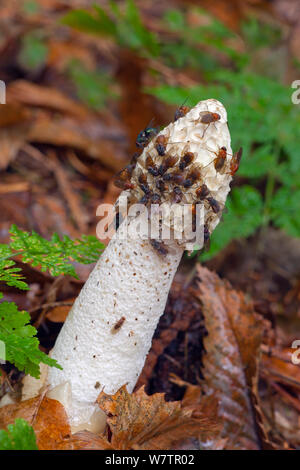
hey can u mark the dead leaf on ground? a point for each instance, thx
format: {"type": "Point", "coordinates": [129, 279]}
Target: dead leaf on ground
{"type": "Point", "coordinates": [139, 421]}
{"type": "Point", "coordinates": [194, 399]}
{"type": "Point", "coordinates": [136, 421]}
{"type": "Point", "coordinates": [47, 417]}
{"type": "Point", "coordinates": [68, 132]}
{"type": "Point", "coordinates": [230, 365]}
{"type": "Point", "coordinates": [59, 313]}
{"type": "Point", "coordinates": [36, 95]}
{"type": "Point", "coordinates": [11, 141]}
{"type": "Point", "coordinates": [276, 365]}
{"type": "Point", "coordinates": [14, 125]}
{"type": "Point", "coordinates": [12, 113]}
{"type": "Point", "coordinates": [84, 440]}
{"type": "Point", "coordinates": [73, 199]}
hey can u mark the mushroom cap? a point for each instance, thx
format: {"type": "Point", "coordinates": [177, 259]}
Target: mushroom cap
{"type": "Point", "coordinates": [201, 142]}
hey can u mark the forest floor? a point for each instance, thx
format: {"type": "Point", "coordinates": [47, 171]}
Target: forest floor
{"type": "Point", "coordinates": [58, 158]}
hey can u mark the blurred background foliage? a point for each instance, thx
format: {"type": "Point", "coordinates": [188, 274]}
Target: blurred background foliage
{"type": "Point", "coordinates": [261, 116]}
{"type": "Point", "coordinates": [188, 55]}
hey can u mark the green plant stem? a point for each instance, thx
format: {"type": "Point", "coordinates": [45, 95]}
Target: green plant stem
{"type": "Point", "coordinates": [17, 253]}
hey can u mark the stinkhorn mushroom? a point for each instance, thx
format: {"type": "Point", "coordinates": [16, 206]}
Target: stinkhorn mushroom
{"type": "Point", "coordinates": [108, 332]}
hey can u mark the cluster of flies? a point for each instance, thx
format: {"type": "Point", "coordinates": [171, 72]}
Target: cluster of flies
{"type": "Point", "coordinates": [182, 178]}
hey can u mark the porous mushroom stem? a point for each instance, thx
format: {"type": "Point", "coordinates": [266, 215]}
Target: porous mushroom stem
{"type": "Point", "coordinates": [107, 335]}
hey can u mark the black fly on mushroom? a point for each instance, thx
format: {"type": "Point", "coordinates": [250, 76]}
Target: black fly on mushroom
{"type": "Point", "coordinates": [169, 171]}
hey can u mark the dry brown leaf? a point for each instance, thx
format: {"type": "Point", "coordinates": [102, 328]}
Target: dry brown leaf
{"type": "Point", "coordinates": [12, 114]}
{"type": "Point", "coordinates": [66, 131]}
{"type": "Point", "coordinates": [47, 417]}
{"type": "Point", "coordinates": [277, 365]}
{"type": "Point", "coordinates": [14, 126]}
{"type": "Point", "coordinates": [84, 440]}
{"type": "Point", "coordinates": [139, 421]}
{"type": "Point", "coordinates": [230, 365]}
{"type": "Point", "coordinates": [36, 95]}
{"type": "Point", "coordinates": [11, 141]}
{"type": "Point", "coordinates": [194, 399]}
{"type": "Point", "coordinates": [72, 197]}
{"type": "Point", "coordinates": [58, 314]}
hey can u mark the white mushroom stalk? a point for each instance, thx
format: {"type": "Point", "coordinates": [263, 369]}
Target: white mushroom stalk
{"type": "Point", "coordinates": [108, 333]}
